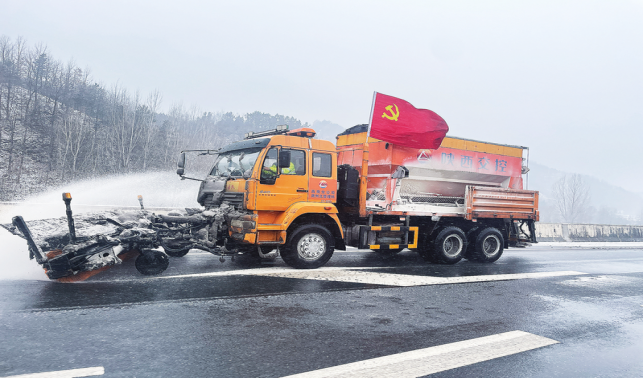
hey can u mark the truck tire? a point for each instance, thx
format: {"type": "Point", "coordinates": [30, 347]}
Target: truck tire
{"type": "Point", "coordinates": [449, 246]}
{"type": "Point", "coordinates": [489, 245]}
{"type": "Point", "coordinates": [308, 247]}
{"type": "Point", "coordinates": [151, 262]}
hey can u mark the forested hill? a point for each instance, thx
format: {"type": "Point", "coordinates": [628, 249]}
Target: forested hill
{"type": "Point", "coordinates": [57, 124]}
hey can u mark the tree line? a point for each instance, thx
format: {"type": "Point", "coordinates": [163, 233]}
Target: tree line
{"type": "Point", "coordinates": [57, 124]}
{"type": "Point", "coordinates": [572, 203]}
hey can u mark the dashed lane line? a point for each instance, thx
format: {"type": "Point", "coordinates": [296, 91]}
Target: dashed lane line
{"type": "Point", "coordinates": [432, 360]}
{"type": "Point", "coordinates": [75, 373]}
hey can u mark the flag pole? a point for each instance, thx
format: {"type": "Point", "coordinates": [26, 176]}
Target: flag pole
{"type": "Point", "coordinates": [370, 119]}
{"type": "Point", "coordinates": [364, 173]}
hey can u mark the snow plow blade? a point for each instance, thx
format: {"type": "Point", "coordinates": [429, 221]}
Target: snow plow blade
{"type": "Point", "coordinates": [103, 243]}
{"type": "Point", "coordinates": [76, 262]}
{"type": "Point", "coordinates": [107, 238]}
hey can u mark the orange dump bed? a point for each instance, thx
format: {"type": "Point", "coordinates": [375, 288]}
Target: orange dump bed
{"type": "Point", "coordinates": [463, 177]}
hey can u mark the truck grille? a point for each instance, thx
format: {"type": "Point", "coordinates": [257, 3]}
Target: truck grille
{"type": "Point", "coordinates": [234, 199]}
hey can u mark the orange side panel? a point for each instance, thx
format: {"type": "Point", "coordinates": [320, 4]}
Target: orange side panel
{"type": "Point", "coordinates": [485, 202]}
{"type": "Point", "coordinates": [268, 236]}
{"type": "Point", "coordinates": [267, 217]}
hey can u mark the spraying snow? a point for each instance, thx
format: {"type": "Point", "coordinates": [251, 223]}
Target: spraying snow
{"type": "Point", "coordinates": [159, 189]}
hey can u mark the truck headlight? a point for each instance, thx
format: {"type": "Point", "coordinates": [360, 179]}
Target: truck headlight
{"type": "Point", "coordinates": [244, 225]}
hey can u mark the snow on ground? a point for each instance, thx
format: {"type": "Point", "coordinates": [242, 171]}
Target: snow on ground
{"type": "Point", "coordinates": [601, 245]}
{"type": "Point", "coordinates": [159, 189]}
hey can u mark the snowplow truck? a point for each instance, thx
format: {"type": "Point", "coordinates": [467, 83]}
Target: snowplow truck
{"type": "Point", "coordinates": [284, 192]}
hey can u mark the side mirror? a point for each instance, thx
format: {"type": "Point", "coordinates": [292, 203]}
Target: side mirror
{"type": "Point", "coordinates": [181, 164]}
{"type": "Point", "coordinates": [284, 159]}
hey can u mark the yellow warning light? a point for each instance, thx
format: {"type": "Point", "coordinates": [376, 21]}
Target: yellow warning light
{"type": "Point", "coordinates": [66, 195]}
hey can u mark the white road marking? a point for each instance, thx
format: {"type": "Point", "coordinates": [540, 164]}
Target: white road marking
{"type": "Point", "coordinates": [356, 275]}
{"type": "Point", "coordinates": [254, 272]}
{"type": "Point", "coordinates": [405, 279]}
{"type": "Point", "coordinates": [432, 360]}
{"type": "Point", "coordinates": [86, 372]}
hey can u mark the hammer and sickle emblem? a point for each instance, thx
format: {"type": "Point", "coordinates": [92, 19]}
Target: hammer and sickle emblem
{"type": "Point", "coordinates": [394, 114]}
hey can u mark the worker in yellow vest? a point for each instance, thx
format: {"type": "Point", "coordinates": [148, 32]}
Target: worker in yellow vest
{"type": "Point", "coordinates": [272, 171]}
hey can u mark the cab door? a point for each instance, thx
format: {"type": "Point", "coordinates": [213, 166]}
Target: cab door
{"type": "Point", "coordinates": [323, 177]}
{"type": "Point", "coordinates": [283, 179]}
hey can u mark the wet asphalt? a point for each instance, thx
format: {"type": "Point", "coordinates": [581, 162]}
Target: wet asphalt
{"type": "Point", "coordinates": [203, 318]}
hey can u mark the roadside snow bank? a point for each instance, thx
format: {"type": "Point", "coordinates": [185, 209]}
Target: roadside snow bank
{"type": "Point", "coordinates": [590, 245]}
{"type": "Point", "coordinates": [563, 232]}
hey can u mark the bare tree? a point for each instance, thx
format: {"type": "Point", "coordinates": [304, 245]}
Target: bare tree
{"type": "Point", "coordinates": [75, 129]}
{"type": "Point", "coordinates": [572, 197]}
{"type": "Point", "coordinates": [150, 128]}
{"type": "Point", "coordinates": [125, 123]}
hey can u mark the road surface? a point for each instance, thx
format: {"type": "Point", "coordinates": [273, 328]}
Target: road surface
{"type": "Point", "coordinates": [546, 311]}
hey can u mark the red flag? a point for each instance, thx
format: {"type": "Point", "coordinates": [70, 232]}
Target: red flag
{"type": "Point", "coordinates": [397, 121]}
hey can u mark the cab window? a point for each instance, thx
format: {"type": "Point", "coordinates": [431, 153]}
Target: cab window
{"type": "Point", "coordinates": [297, 163]}
{"type": "Point", "coordinates": [269, 168]}
{"type": "Point", "coordinates": [322, 165]}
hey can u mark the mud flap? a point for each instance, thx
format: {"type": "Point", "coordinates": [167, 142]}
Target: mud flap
{"type": "Point", "coordinates": [532, 230]}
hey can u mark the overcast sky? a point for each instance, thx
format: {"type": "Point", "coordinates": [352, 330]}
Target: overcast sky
{"type": "Point", "coordinates": [564, 78]}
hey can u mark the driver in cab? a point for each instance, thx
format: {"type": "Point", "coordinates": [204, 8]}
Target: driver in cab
{"type": "Point", "coordinates": [292, 163]}
{"type": "Point", "coordinates": [272, 170]}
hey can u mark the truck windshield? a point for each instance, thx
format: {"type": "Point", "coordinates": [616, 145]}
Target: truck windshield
{"type": "Point", "coordinates": [235, 163]}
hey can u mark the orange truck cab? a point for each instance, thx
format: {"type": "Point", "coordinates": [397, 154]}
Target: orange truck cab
{"type": "Point", "coordinates": [281, 186]}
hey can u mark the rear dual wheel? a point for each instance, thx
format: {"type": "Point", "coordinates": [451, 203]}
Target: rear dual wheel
{"type": "Point", "coordinates": [448, 247]}
{"type": "Point", "coordinates": [489, 245]}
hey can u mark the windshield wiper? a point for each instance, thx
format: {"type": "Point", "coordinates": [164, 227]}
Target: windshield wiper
{"type": "Point", "coordinates": [240, 163]}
